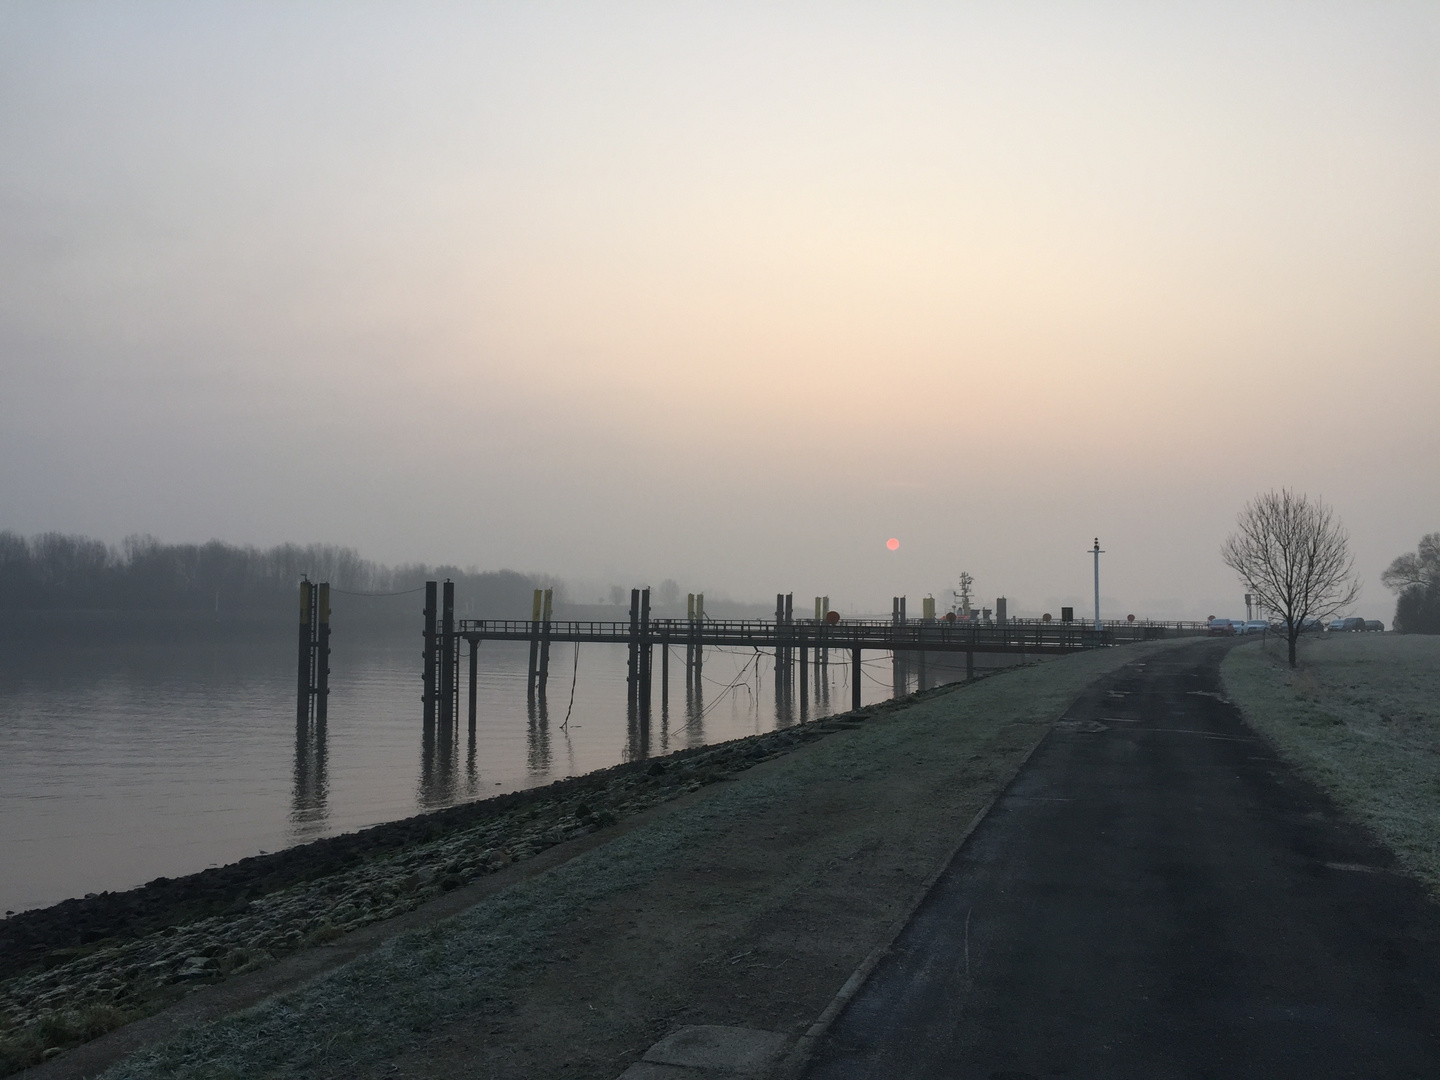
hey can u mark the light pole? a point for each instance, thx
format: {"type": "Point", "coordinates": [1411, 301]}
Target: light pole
{"type": "Point", "coordinates": [1097, 553]}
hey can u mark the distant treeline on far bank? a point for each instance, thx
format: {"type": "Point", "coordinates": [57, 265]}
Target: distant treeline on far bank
{"type": "Point", "coordinates": [55, 571]}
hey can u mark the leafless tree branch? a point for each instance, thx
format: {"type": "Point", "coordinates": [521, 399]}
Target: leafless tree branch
{"type": "Point", "coordinates": [1294, 556]}
{"type": "Point", "coordinates": [1421, 567]}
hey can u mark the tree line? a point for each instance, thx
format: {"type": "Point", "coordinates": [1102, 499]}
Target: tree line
{"type": "Point", "coordinates": [63, 571]}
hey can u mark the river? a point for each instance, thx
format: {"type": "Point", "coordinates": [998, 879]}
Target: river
{"type": "Point", "coordinates": [140, 753]}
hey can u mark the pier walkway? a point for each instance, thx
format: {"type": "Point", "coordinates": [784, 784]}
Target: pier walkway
{"type": "Point", "coordinates": [794, 643]}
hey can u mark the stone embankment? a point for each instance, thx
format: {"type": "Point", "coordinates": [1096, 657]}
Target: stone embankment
{"type": "Point", "coordinates": [71, 972]}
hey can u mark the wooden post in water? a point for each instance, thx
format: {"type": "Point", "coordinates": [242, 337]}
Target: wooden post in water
{"type": "Point", "coordinates": [536, 605]}
{"type": "Point", "coordinates": [322, 653]}
{"type": "Point", "coordinates": [546, 610]}
{"type": "Point", "coordinates": [474, 672]}
{"type": "Point", "coordinates": [804, 674]}
{"type": "Point", "coordinates": [447, 655]}
{"type": "Point", "coordinates": [646, 653]}
{"type": "Point", "coordinates": [429, 655]}
{"type": "Point", "coordinates": [665, 666]}
{"type": "Point", "coordinates": [855, 678]}
{"type": "Point", "coordinates": [789, 647]}
{"type": "Point", "coordinates": [632, 676]}
{"type": "Point", "coordinates": [779, 644]}
{"type": "Point", "coordinates": [699, 645]}
{"type": "Point", "coordinates": [302, 681]}
{"type": "Point", "coordinates": [689, 641]}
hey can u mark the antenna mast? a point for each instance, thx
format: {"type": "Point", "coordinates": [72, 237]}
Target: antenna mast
{"type": "Point", "coordinates": [962, 594]}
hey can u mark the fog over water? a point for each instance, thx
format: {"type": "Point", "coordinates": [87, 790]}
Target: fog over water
{"type": "Point", "coordinates": [729, 294]}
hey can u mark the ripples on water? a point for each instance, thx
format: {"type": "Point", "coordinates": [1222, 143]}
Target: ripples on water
{"type": "Point", "coordinates": [131, 759]}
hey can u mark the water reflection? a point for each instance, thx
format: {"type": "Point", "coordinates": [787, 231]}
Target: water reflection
{"type": "Point", "coordinates": [142, 733]}
{"type": "Point", "coordinates": [694, 708]}
{"type": "Point", "coordinates": [537, 735]}
{"type": "Point", "coordinates": [441, 782]}
{"type": "Point", "coordinates": [637, 728]}
{"type": "Point", "coordinates": [309, 813]}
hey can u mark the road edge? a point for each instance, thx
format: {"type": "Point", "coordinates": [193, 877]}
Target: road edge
{"type": "Point", "coordinates": [801, 1054]}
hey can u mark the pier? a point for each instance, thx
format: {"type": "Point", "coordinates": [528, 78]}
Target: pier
{"type": "Point", "coordinates": [798, 646]}
{"type": "Point", "coordinates": [795, 643]}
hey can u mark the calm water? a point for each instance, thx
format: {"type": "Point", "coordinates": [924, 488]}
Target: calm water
{"type": "Point", "coordinates": [127, 760]}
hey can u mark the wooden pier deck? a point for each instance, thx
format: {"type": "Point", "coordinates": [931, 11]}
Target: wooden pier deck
{"type": "Point", "coordinates": [805, 640]}
{"type": "Point", "coordinates": [794, 643]}
{"type": "Point", "coordinates": [937, 635]}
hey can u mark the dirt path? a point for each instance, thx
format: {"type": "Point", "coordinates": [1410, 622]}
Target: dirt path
{"type": "Point", "coordinates": [749, 903]}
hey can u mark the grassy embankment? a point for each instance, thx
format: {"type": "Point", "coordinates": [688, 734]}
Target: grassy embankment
{"type": "Point", "coordinates": [759, 897]}
{"type": "Point", "coordinates": [1361, 717]}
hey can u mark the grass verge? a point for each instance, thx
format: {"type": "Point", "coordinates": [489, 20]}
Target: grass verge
{"type": "Point", "coordinates": [1361, 717]}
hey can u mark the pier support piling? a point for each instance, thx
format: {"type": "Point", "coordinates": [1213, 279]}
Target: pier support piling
{"type": "Point", "coordinates": [322, 654]}
{"type": "Point", "coordinates": [699, 644]}
{"type": "Point", "coordinates": [532, 672]}
{"type": "Point", "coordinates": [804, 677]}
{"type": "Point", "coordinates": [646, 654]}
{"type": "Point", "coordinates": [546, 611]}
{"type": "Point", "coordinates": [312, 674]}
{"type": "Point", "coordinates": [430, 657]}
{"type": "Point", "coordinates": [302, 667]}
{"type": "Point", "coordinates": [473, 688]}
{"type": "Point", "coordinates": [632, 675]}
{"type": "Point", "coordinates": [447, 655]}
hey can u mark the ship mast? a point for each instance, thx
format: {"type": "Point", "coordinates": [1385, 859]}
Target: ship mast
{"type": "Point", "coordinates": [962, 595]}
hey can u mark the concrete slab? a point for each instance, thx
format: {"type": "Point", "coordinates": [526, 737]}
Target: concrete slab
{"type": "Point", "coordinates": [727, 1050]}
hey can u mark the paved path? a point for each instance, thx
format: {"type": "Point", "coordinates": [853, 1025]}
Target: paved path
{"type": "Point", "coordinates": [1155, 896]}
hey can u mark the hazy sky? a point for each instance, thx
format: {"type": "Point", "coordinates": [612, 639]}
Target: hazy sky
{"type": "Point", "coordinates": [727, 294]}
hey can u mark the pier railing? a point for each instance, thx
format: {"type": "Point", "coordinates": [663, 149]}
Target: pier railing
{"type": "Point", "coordinates": [1014, 635]}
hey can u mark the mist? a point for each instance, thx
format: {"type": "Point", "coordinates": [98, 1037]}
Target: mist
{"type": "Point", "coordinates": [726, 295]}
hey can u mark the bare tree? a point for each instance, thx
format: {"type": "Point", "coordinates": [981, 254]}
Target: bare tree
{"type": "Point", "coordinates": [1294, 556]}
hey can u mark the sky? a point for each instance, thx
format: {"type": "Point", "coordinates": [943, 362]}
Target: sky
{"type": "Point", "coordinates": [730, 294]}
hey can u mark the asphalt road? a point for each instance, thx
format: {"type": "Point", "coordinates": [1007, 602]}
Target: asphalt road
{"type": "Point", "coordinates": [1156, 895]}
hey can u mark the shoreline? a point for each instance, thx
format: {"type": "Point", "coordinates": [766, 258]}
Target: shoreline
{"type": "Point", "coordinates": [72, 971]}
{"type": "Point", "coordinates": [934, 758]}
{"type": "Point", "coordinates": [745, 904]}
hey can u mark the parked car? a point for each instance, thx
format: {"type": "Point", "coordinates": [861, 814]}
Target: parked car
{"type": "Point", "coordinates": [1221, 627]}
{"type": "Point", "coordinates": [1375, 625]}
{"type": "Point", "coordinates": [1256, 626]}
{"type": "Point", "coordinates": [1348, 625]}
{"type": "Point", "coordinates": [1309, 626]}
